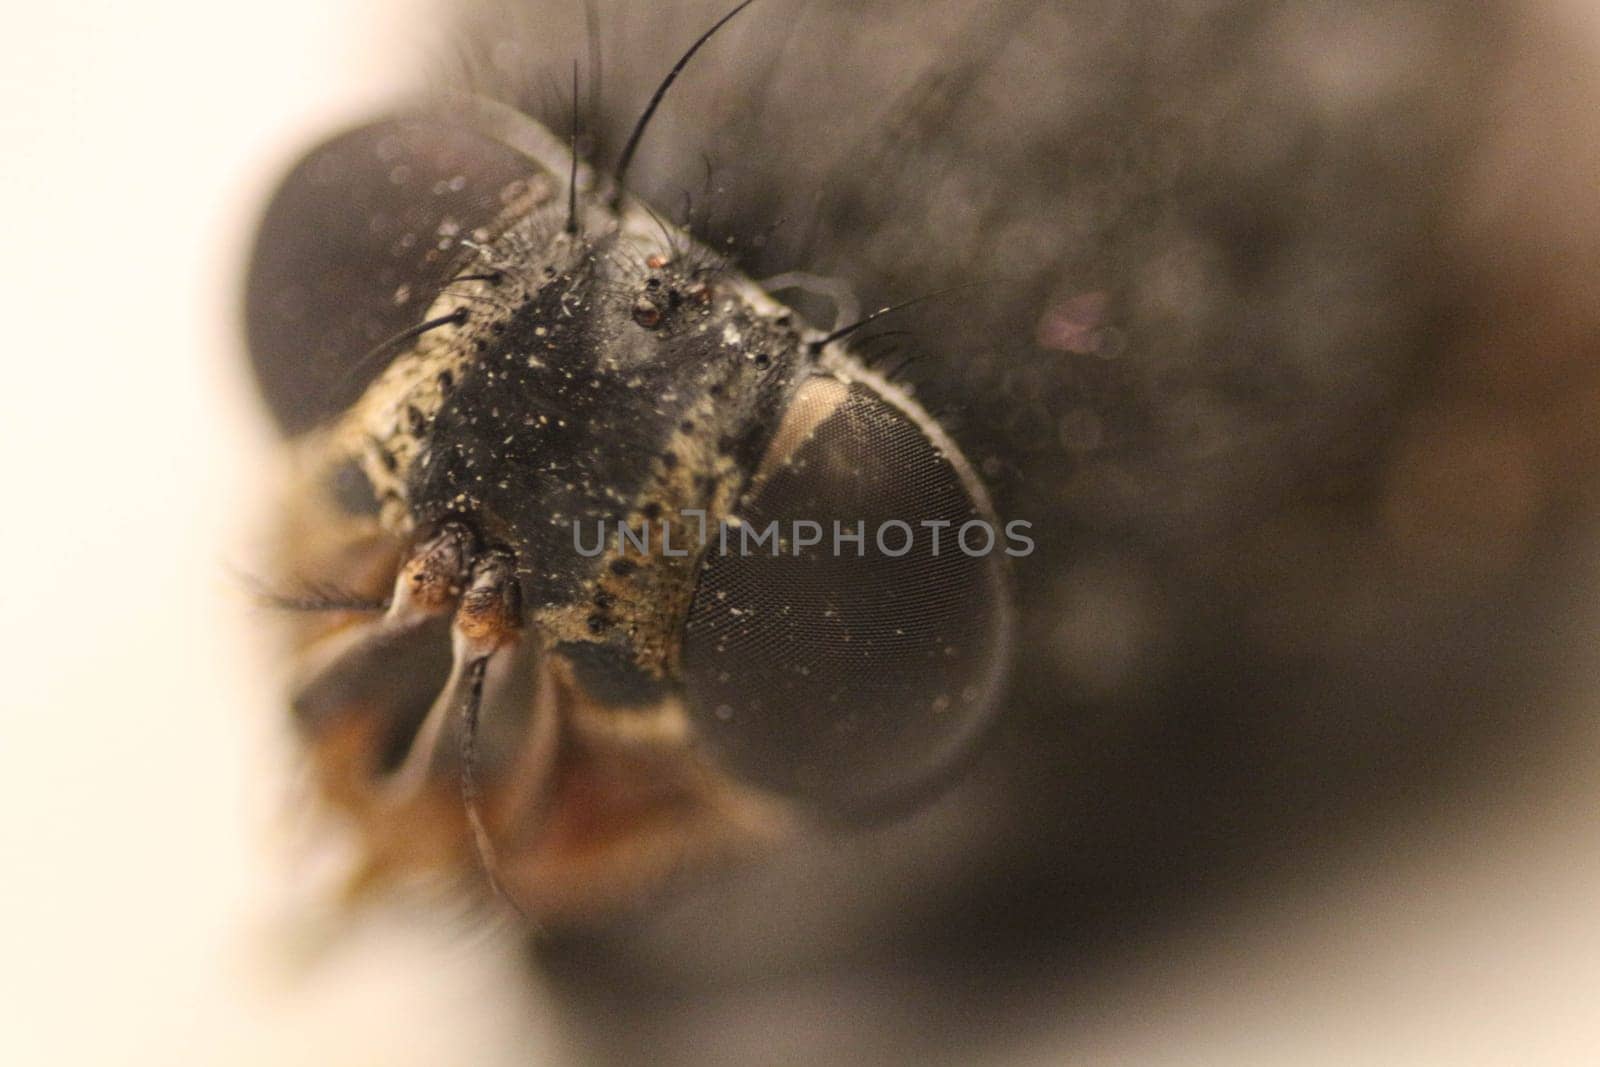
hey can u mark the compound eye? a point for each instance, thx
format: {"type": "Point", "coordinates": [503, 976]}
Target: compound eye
{"type": "Point", "coordinates": [846, 644]}
{"type": "Point", "coordinates": [358, 240]}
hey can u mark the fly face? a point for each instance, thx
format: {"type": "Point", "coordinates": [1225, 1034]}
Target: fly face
{"type": "Point", "coordinates": [701, 578]}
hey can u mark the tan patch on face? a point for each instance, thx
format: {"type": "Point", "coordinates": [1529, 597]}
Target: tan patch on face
{"type": "Point", "coordinates": [681, 508]}
{"type": "Point", "coordinates": [386, 429]}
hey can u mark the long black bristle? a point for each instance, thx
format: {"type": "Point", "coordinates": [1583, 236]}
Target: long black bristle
{"type": "Point", "coordinates": [632, 145]}
{"type": "Point", "coordinates": [389, 344]}
{"type": "Point", "coordinates": [845, 331]}
{"type": "Point", "coordinates": [572, 177]}
{"type": "Point", "coordinates": [591, 22]}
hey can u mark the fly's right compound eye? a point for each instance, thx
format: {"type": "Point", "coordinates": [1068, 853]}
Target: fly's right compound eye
{"type": "Point", "coordinates": [858, 669]}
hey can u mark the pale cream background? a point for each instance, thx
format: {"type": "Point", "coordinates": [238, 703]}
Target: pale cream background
{"type": "Point", "coordinates": [144, 916]}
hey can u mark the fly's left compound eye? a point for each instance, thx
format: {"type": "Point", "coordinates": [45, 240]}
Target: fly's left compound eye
{"type": "Point", "coordinates": [355, 245]}
{"type": "Point", "coordinates": [847, 637]}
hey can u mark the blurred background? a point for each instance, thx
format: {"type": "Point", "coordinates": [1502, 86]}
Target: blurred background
{"type": "Point", "coordinates": [155, 904]}
{"type": "Point", "coordinates": [147, 914]}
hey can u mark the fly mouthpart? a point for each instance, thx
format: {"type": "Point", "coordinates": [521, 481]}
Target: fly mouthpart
{"type": "Point", "coordinates": [445, 572]}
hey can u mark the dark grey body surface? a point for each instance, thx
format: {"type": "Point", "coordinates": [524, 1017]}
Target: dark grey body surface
{"type": "Point", "coordinates": [610, 399]}
{"type": "Point", "coordinates": [1227, 657]}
